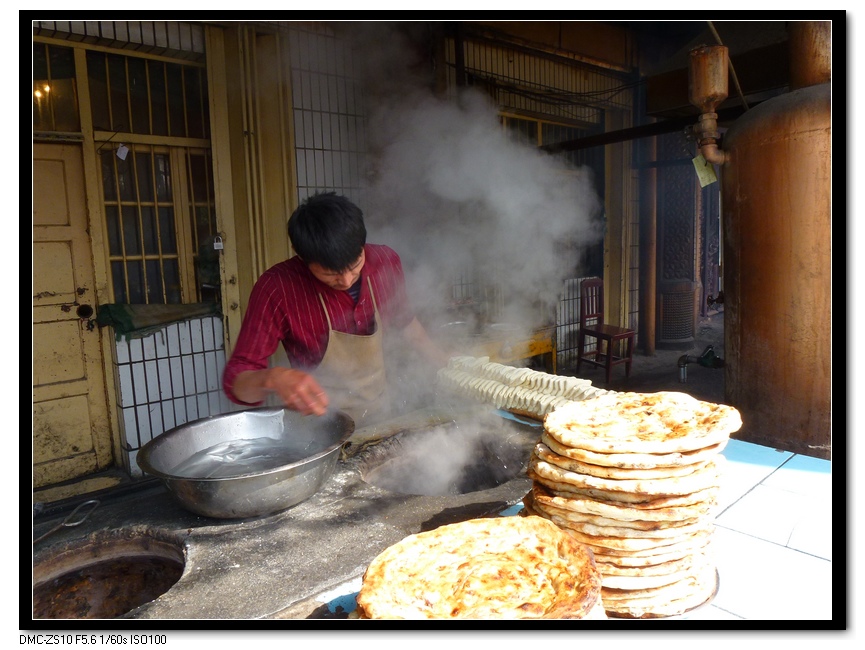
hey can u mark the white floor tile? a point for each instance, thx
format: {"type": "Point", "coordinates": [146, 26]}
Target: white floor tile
{"type": "Point", "coordinates": [747, 465]}
{"type": "Point", "coordinates": [813, 534]}
{"type": "Point", "coordinates": [711, 613]}
{"type": "Point", "coordinates": [760, 580]}
{"type": "Point", "coordinates": [803, 475]}
{"type": "Point", "coordinates": [773, 515]}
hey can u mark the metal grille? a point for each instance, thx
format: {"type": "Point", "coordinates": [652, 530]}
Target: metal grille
{"type": "Point", "coordinates": [142, 240]}
{"type": "Point", "coordinates": [329, 119]}
{"type": "Point", "coordinates": [159, 201]}
{"type": "Point", "coordinates": [169, 38]}
{"type": "Point", "coordinates": [464, 289]}
{"type": "Point", "coordinates": [55, 94]}
{"type": "Point", "coordinates": [677, 316]}
{"type": "Point", "coordinates": [633, 297]}
{"type": "Point", "coordinates": [568, 325]}
{"type": "Point", "coordinates": [201, 207]}
{"type": "Point", "coordinates": [169, 378]}
{"type": "Point", "coordinates": [147, 254]}
{"type": "Point", "coordinates": [544, 85]}
{"type": "Point", "coordinates": [147, 97]}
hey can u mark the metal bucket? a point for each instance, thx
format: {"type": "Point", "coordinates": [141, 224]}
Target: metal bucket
{"type": "Point", "coordinates": [305, 448]}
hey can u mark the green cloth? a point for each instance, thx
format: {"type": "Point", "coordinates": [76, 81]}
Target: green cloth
{"type": "Point", "coordinates": [137, 321]}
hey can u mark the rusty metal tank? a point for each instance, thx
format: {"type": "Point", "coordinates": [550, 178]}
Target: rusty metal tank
{"type": "Point", "coordinates": [777, 213]}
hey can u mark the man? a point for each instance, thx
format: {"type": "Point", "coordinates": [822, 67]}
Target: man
{"type": "Point", "coordinates": [328, 305]}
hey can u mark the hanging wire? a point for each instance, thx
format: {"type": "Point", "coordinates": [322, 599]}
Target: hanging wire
{"type": "Point", "coordinates": [71, 520]}
{"type": "Point", "coordinates": [729, 64]}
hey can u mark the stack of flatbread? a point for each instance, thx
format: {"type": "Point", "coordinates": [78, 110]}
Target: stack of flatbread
{"type": "Point", "coordinates": [521, 390]}
{"type": "Point", "coordinates": [635, 477]}
{"type": "Point", "coordinates": [489, 568]}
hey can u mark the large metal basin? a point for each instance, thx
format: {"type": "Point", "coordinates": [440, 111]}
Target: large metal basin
{"type": "Point", "coordinates": [305, 451]}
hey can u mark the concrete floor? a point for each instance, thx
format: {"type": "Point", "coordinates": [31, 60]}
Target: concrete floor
{"type": "Point", "coordinates": [660, 371]}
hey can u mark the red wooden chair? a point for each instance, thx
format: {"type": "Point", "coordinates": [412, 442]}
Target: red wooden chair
{"type": "Point", "coordinates": [592, 325]}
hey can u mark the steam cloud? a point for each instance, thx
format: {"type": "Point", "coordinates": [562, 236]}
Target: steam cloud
{"type": "Point", "coordinates": [452, 192]}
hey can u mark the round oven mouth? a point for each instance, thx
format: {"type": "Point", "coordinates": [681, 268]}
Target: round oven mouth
{"type": "Point", "coordinates": [443, 461]}
{"type": "Point", "coordinates": [107, 575]}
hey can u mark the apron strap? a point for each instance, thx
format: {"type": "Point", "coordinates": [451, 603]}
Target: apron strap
{"type": "Point", "coordinates": [326, 314]}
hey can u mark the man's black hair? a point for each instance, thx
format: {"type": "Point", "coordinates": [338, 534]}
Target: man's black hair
{"type": "Point", "coordinates": [328, 229]}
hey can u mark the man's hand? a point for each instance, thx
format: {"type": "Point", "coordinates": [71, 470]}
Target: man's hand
{"type": "Point", "coordinates": [298, 390]}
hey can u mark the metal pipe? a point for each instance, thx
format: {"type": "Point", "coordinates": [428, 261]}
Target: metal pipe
{"type": "Point", "coordinates": [708, 360]}
{"type": "Point", "coordinates": [707, 88]}
{"type": "Point", "coordinates": [810, 53]}
{"type": "Point", "coordinates": [707, 139]}
{"type": "Point", "coordinates": [684, 360]}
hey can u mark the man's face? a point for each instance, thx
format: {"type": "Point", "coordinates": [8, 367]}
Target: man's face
{"type": "Point", "coordinates": [339, 280]}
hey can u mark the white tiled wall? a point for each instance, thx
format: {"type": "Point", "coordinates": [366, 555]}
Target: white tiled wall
{"type": "Point", "coordinates": [169, 378]}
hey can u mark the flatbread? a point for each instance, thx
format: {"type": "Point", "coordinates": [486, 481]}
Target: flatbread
{"type": "Point", "coordinates": [642, 501]}
{"type": "Point", "coordinates": [633, 461]}
{"type": "Point", "coordinates": [644, 581]}
{"type": "Point", "coordinates": [665, 422]}
{"type": "Point", "coordinates": [663, 569]}
{"type": "Point", "coordinates": [707, 477]}
{"type": "Point", "coordinates": [666, 532]}
{"type": "Point", "coordinates": [634, 545]}
{"type": "Point", "coordinates": [495, 568]}
{"type": "Point", "coordinates": [633, 560]}
{"type": "Point", "coordinates": [652, 554]}
{"type": "Point", "coordinates": [695, 589]}
{"type": "Point", "coordinates": [635, 528]}
{"type": "Point", "coordinates": [622, 512]}
{"type": "Point", "coordinates": [546, 453]}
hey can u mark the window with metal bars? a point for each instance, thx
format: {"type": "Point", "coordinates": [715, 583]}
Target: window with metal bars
{"type": "Point", "coordinates": [154, 258]}
{"type": "Point", "coordinates": [158, 187]}
{"type": "Point", "coordinates": [147, 96]}
{"type": "Point", "coordinates": [55, 94]}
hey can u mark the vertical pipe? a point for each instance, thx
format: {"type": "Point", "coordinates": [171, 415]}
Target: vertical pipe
{"type": "Point", "coordinates": [459, 56]}
{"type": "Point", "coordinates": [810, 53]}
{"type": "Point", "coordinates": [648, 244]}
{"type": "Point", "coordinates": [648, 247]}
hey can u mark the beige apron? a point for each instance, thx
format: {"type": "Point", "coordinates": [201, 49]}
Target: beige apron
{"type": "Point", "coordinates": [352, 371]}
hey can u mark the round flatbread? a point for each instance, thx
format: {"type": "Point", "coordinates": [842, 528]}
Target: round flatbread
{"type": "Point", "coordinates": [666, 532]}
{"type": "Point", "coordinates": [622, 512]}
{"type": "Point", "coordinates": [664, 568]}
{"type": "Point", "coordinates": [633, 461]}
{"type": "Point", "coordinates": [707, 477]}
{"type": "Point", "coordinates": [635, 545]}
{"type": "Point", "coordinates": [496, 568]}
{"type": "Point", "coordinates": [652, 554]}
{"type": "Point", "coordinates": [693, 590]}
{"type": "Point", "coordinates": [641, 501]}
{"type": "Point", "coordinates": [642, 581]}
{"type": "Point", "coordinates": [635, 528]}
{"type": "Point", "coordinates": [545, 452]}
{"type": "Point", "coordinates": [679, 552]}
{"type": "Point", "coordinates": [644, 423]}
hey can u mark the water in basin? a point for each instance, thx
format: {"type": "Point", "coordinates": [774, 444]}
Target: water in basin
{"type": "Point", "coordinates": [239, 457]}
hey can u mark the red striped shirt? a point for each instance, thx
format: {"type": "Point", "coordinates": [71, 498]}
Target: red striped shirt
{"type": "Point", "coordinates": [284, 306]}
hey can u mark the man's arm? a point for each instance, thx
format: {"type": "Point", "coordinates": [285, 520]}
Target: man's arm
{"type": "Point", "coordinates": [298, 390]}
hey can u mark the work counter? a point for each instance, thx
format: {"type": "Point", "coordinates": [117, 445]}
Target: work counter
{"type": "Point", "coordinates": [281, 566]}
